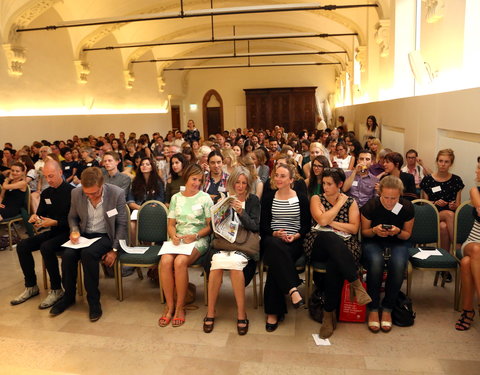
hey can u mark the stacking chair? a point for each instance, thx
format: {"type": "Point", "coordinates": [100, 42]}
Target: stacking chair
{"type": "Point", "coordinates": [462, 225]}
{"type": "Point", "coordinates": [151, 229]}
{"type": "Point", "coordinates": [426, 230]}
{"type": "Point", "coordinates": [300, 266]}
{"type": "Point", "coordinates": [10, 221]}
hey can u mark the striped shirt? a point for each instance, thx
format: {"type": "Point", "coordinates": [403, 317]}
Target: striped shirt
{"type": "Point", "coordinates": [286, 215]}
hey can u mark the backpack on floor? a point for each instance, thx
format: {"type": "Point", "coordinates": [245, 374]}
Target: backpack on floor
{"type": "Point", "coordinates": [403, 314]}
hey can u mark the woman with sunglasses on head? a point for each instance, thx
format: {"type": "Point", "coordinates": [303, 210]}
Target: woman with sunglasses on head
{"type": "Point", "coordinates": [470, 263]}
{"type": "Point", "coordinates": [334, 242]}
{"type": "Point", "coordinates": [285, 220]}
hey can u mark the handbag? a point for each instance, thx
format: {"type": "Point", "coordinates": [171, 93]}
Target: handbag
{"type": "Point", "coordinates": [402, 313]}
{"type": "Point", "coordinates": [316, 304]}
{"type": "Point", "coordinates": [246, 242]}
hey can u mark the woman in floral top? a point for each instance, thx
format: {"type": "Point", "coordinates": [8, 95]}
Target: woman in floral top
{"type": "Point", "coordinates": [188, 221]}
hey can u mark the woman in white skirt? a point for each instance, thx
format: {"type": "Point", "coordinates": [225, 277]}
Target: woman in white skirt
{"type": "Point", "coordinates": [246, 207]}
{"type": "Point", "coordinates": [470, 263]}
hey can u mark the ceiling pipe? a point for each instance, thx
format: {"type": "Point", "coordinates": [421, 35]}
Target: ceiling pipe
{"type": "Point", "coordinates": [196, 13]}
{"type": "Point", "coordinates": [248, 66]}
{"type": "Point", "coordinates": [220, 39]}
{"type": "Point", "coordinates": [237, 55]}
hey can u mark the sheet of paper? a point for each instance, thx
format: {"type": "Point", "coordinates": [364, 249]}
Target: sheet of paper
{"type": "Point", "coordinates": [133, 250]}
{"type": "Point", "coordinates": [82, 242]}
{"type": "Point", "coordinates": [430, 251]}
{"type": "Point", "coordinates": [169, 248]}
{"type": "Point", "coordinates": [421, 255]}
{"type": "Point", "coordinates": [319, 341]}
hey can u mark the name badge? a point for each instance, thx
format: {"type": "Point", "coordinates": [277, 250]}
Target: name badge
{"type": "Point", "coordinates": [182, 188]}
{"type": "Point", "coordinates": [355, 183]}
{"type": "Point", "coordinates": [67, 167]}
{"type": "Point", "coordinates": [48, 201]}
{"type": "Point", "coordinates": [112, 212]}
{"type": "Point", "coordinates": [436, 189]}
{"type": "Point", "coordinates": [396, 209]}
{"type": "Point", "coordinates": [89, 164]}
{"type": "Point", "coordinates": [196, 207]}
{"type": "Point", "coordinates": [293, 200]}
{"type": "Point", "coordinates": [221, 189]}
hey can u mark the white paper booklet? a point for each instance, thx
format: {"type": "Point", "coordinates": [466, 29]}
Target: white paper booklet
{"type": "Point", "coordinates": [169, 248]}
{"type": "Point", "coordinates": [82, 242]}
{"type": "Point", "coordinates": [133, 250]}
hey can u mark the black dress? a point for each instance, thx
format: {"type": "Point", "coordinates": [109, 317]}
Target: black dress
{"type": "Point", "coordinates": [13, 201]}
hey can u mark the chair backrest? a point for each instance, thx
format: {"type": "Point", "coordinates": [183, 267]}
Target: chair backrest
{"type": "Point", "coordinates": [152, 222]}
{"type": "Point", "coordinates": [463, 222]}
{"type": "Point", "coordinates": [426, 227]}
{"type": "Point", "coordinates": [28, 196]}
{"type": "Point", "coordinates": [129, 240]}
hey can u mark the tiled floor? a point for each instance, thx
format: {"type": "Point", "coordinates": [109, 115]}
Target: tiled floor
{"type": "Point", "coordinates": [127, 340]}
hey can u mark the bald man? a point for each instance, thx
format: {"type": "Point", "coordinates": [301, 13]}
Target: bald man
{"type": "Point", "coordinates": [52, 213]}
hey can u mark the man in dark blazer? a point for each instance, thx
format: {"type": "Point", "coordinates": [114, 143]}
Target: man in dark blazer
{"type": "Point", "coordinates": [97, 211]}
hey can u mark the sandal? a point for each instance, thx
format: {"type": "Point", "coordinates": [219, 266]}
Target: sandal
{"type": "Point", "coordinates": [178, 321]}
{"type": "Point", "coordinates": [242, 330]}
{"type": "Point", "coordinates": [374, 326]}
{"type": "Point", "coordinates": [300, 303]}
{"type": "Point", "coordinates": [165, 319]}
{"type": "Point", "coordinates": [207, 328]}
{"type": "Point", "coordinates": [465, 320]}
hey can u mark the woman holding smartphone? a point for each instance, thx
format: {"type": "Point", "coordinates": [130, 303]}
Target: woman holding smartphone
{"type": "Point", "coordinates": [387, 223]}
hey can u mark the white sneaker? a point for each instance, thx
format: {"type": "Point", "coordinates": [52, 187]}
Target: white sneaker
{"type": "Point", "coordinates": [28, 293]}
{"type": "Point", "coordinates": [53, 296]}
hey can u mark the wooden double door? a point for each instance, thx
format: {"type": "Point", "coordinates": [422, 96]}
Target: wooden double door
{"type": "Point", "coordinates": [294, 108]}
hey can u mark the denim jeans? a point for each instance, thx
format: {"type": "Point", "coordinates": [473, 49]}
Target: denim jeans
{"type": "Point", "coordinates": [374, 262]}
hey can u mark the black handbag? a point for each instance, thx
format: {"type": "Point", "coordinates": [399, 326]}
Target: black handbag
{"type": "Point", "coordinates": [316, 304]}
{"type": "Point", "coordinates": [402, 313]}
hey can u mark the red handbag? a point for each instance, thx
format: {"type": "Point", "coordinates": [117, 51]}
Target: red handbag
{"type": "Point", "coordinates": [351, 311]}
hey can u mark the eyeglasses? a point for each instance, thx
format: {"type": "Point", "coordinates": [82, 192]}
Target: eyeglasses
{"type": "Point", "coordinates": [317, 166]}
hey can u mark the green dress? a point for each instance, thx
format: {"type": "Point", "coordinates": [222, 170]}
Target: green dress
{"type": "Point", "coordinates": [191, 214]}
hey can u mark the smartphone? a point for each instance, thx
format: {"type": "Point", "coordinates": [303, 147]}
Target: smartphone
{"type": "Point", "coordinates": [386, 226]}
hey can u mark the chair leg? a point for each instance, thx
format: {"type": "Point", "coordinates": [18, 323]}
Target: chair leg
{"type": "Point", "coordinates": [435, 280]}
{"type": "Point", "coordinates": [260, 287]}
{"type": "Point", "coordinates": [409, 278]}
{"type": "Point", "coordinates": [140, 273]}
{"type": "Point", "coordinates": [10, 235]}
{"type": "Point", "coordinates": [255, 295]}
{"type": "Point", "coordinates": [79, 279]}
{"type": "Point", "coordinates": [44, 275]}
{"type": "Point", "coordinates": [456, 298]}
{"type": "Point", "coordinates": [162, 296]}
{"type": "Point", "coordinates": [309, 281]}
{"type": "Point", "coordinates": [205, 286]}
{"type": "Point", "coordinates": [117, 267]}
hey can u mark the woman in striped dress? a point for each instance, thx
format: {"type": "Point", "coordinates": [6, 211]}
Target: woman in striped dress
{"type": "Point", "coordinates": [285, 220]}
{"type": "Point", "coordinates": [470, 263]}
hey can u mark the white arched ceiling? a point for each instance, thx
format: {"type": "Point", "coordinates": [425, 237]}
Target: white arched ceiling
{"type": "Point", "coordinates": [20, 12]}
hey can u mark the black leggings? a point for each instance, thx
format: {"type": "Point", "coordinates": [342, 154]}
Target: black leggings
{"type": "Point", "coordinates": [329, 248]}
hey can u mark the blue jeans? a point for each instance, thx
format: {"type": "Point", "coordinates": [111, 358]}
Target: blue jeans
{"type": "Point", "coordinates": [374, 263]}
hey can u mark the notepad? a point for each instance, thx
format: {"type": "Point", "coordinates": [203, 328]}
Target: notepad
{"type": "Point", "coordinates": [169, 248]}
{"type": "Point", "coordinates": [82, 243]}
{"type": "Point", "coordinates": [131, 249]}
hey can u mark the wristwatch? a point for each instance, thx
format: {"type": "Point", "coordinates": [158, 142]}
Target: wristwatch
{"type": "Point", "coordinates": [115, 250]}
{"type": "Point", "coordinates": [197, 237]}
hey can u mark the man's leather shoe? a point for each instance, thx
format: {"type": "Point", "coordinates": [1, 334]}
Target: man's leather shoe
{"type": "Point", "coordinates": [95, 313]}
{"type": "Point", "coordinates": [60, 307]}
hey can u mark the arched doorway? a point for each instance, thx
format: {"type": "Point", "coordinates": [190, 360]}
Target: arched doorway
{"type": "Point", "coordinates": [212, 113]}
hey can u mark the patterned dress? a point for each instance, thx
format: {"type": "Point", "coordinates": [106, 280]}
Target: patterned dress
{"type": "Point", "coordinates": [446, 190]}
{"type": "Point", "coordinates": [191, 214]}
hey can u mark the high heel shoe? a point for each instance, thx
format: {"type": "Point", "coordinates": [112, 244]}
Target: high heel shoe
{"type": "Point", "coordinates": [299, 303]}
{"type": "Point", "coordinates": [357, 290]}
{"type": "Point", "coordinates": [207, 328]}
{"type": "Point", "coordinates": [465, 320]}
{"type": "Point", "coordinates": [243, 330]}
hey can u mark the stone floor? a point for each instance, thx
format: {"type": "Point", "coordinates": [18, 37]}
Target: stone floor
{"type": "Point", "coordinates": [127, 340]}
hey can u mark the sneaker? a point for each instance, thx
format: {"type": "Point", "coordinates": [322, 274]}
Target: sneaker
{"type": "Point", "coordinates": [53, 296]}
{"type": "Point", "coordinates": [28, 293]}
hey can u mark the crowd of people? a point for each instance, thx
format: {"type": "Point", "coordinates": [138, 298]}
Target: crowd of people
{"type": "Point", "coordinates": [310, 194]}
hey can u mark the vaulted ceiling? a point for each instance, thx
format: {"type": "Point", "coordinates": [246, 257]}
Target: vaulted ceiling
{"type": "Point", "coordinates": [18, 15]}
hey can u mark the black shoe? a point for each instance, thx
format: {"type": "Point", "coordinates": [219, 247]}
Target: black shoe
{"type": "Point", "coordinates": [61, 306]}
{"type": "Point", "coordinates": [299, 303]}
{"type": "Point", "coordinates": [447, 276]}
{"type": "Point", "coordinates": [95, 312]}
{"type": "Point", "coordinates": [243, 330]}
{"type": "Point", "coordinates": [270, 327]}
{"type": "Point", "coordinates": [207, 328]}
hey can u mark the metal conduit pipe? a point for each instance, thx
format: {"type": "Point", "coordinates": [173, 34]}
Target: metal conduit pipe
{"type": "Point", "coordinates": [221, 39]}
{"type": "Point", "coordinates": [248, 66]}
{"type": "Point", "coordinates": [196, 13]}
{"type": "Point", "coordinates": [237, 55]}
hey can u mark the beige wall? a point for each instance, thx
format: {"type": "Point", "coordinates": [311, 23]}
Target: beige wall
{"type": "Point", "coordinates": [24, 130]}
